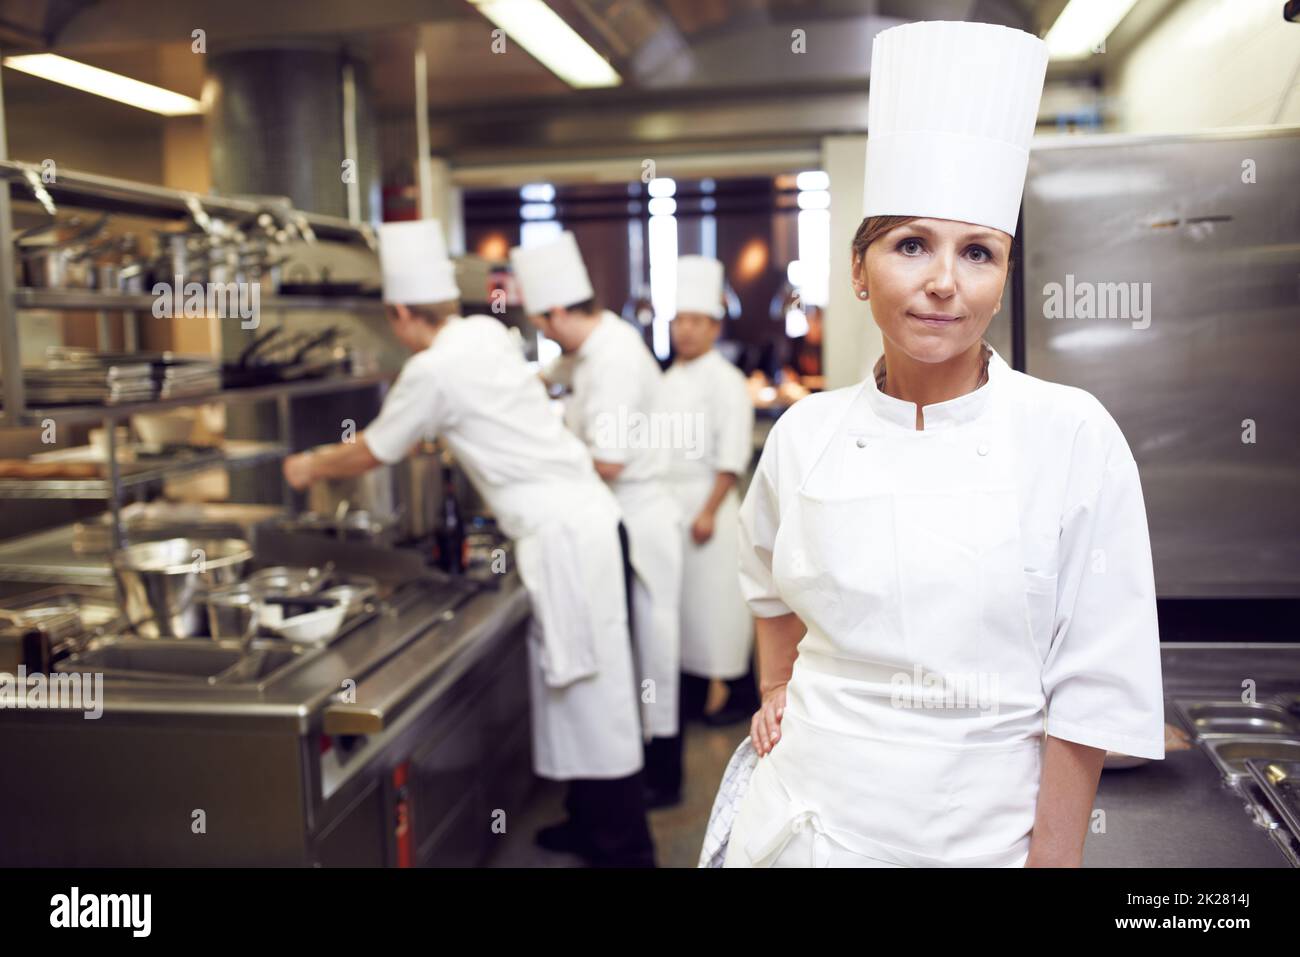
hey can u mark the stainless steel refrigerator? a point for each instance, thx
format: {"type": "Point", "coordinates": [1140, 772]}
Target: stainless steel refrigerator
{"type": "Point", "coordinates": [1162, 274]}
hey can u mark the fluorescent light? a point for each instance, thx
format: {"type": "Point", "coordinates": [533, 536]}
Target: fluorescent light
{"type": "Point", "coordinates": [537, 211]}
{"type": "Point", "coordinates": [813, 179]}
{"type": "Point", "coordinates": [662, 206]}
{"type": "Point", "coordinates": [539, 30]}
{"type": "Point", "coordinates": [114, 86]}
{"type": "Point", "coordinates": [662, 186]}
{"type": "Point", "coordinates": [539, 232]}
{"type": "Point", "coordinates": [1083, 25]}
{"type": "Point", "coordinates": [814, 199]}
{"type": "Point", "coordinates": [537, 193]}
{"type": "Point", "coordinates": [663, 278]}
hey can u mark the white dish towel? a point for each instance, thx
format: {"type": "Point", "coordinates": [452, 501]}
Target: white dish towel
{"type": "Point", "coordinates": [735, 780]}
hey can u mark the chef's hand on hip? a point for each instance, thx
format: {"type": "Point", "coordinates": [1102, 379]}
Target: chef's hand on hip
{"type": "Point", "coordinates": [702, 528]}
{"type": "Point", "coordinates": [765, 727]}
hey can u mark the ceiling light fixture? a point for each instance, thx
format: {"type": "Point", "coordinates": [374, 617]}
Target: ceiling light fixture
{"type": "Point", "coordinates": [540, 30]}
{"type": "Point", "coordinates": [1083, 26]}
{"type": "Point", "coordinates": [114, 86]}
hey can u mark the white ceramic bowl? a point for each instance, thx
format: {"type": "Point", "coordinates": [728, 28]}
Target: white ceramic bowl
{"type": "Point", "coordinates": [314, 627]}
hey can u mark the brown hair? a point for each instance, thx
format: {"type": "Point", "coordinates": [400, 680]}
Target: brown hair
{"type": "Point", "coordinates": [435, 313]}
{"type": "Point", "coordinates": [873, 227]}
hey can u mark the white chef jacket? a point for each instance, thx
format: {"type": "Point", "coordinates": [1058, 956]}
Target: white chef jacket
{"type": "Point", "coordinates": [472, 387]}
{"type": "Point", "coordinates": [713, 389]}
{"type": "Point", "coordinates": [616, 408]}
{"type": "Point", "coordinates": [1005, 542]}
{"type": "Point", "coordinates": [615, 385]}
{"type": "Point", "coordinates": [708, 398]}
{"type": "Point", "coordinates": [1086, 549]}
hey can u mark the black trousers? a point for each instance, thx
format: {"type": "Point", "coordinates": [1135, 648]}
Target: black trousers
{"type": "Point", "coordinates": [742, 693]}
{"type": "Point", "coordinates": [610, 812]}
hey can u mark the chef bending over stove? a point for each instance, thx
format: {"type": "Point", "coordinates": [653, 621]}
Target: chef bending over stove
{"type": "Point", "coordinates": [468, 382]}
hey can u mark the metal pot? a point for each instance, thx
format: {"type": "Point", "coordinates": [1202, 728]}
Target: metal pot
{"type": "Point", "coordinates": [161, 581]}
{"type": "Point", "coordinates": [61, 263]}
{"type": "Point", "coordinates": [285, 581]}
{"type": "Point", "coordinates": [373, 493]}
{"type": "Point", "coordinates": [233, 611]}
{"type": "Point", "coordinates": [419, 478]}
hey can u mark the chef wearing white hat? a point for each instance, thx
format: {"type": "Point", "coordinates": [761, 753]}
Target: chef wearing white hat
{"type": "Point", "coordinates": [949, 562]}
{"type": "Point", "coordinates": [614, 407]}
{"type": "Point", "coordinates": [704, 388]}
{"type": "Point", "coordinates": [468, 382]}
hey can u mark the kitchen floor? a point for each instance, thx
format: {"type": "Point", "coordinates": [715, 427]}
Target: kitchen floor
{"type": "Point", "coordinates": [678, 831]}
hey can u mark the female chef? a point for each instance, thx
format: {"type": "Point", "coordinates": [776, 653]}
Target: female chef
{"type": "Point", "coordinates": [949, 562]}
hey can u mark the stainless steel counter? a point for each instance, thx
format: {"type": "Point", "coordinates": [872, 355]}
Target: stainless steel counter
{"type": "Point", "coordinates": [212, 775]}
{"type": "Point", "coordinates": [420, 627]}
{"type": "Point", "coordinates": [1178, 812]}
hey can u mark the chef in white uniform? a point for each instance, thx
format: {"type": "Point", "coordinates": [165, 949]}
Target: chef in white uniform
{"type": "Point", "coordinates": [614, 407]}
{"type": "Point", "coordinates": [950, 561]}
{"type": "Point", "coordinates": [468, 382]}
{"type": "Point", "coordinates": [708, 394]}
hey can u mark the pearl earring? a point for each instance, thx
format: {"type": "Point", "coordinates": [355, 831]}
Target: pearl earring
{"type": "Point", "coordinates": [862, 294]}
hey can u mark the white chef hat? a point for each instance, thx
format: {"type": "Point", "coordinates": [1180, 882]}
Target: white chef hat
{"type": "Point", "coordinates": [413, 259]}
{"type": "Point", "coordinates": [951, 114]}
{"type": "Point", "coordinates": [699, 286]}
{"type": "Point", "coordinates": [551, 274]}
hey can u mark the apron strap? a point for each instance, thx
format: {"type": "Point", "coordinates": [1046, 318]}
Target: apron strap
{"type": "Point", "coordinates": [766, 846]}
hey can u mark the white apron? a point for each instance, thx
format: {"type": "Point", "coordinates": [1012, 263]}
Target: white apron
{"type": "Point", "coordinates": [582, 687]}
{"type": "Point", "coordinates": [903, 559]}
{"type": "Point", "coordinates": [717, 629]}
{"type": "Point", "coordinates": [654, 534]}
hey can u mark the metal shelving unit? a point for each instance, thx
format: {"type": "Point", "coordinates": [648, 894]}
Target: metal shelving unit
{"type": "Point", "coordinates": [105, 194]}
{"type": "Point", "coordinates": [282, 391]}
{"type": "Point", "coordinates": [111, 195]}
{"type": "Point", "coordinates": [246, 455]}
{"type": "Point", "coordinates": [92, 300]}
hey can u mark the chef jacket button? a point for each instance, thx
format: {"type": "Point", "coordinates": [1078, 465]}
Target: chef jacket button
{"type": "Point", "coordinates": [862, 443]}
{"type": "Point", "coordinates": [983, 448]}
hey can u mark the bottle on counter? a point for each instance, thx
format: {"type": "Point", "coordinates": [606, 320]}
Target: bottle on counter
{"type": "Point", "coordinates": [451, 531]}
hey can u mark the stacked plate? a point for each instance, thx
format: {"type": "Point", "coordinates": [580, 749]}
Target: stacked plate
{"type": "Point", "coordinates": [90, 383]}
{"type": "Point", "coordinates": [178, 377]}
{"type": "Point", "coordinates": [73, 376]}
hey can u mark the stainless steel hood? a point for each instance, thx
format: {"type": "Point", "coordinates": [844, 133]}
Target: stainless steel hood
{"type": "Point", "coordinates": [698, 75]}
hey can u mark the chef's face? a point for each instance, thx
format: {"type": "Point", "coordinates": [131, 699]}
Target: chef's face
{"type": "Point", "coordinates": [560, 326]}
{"type": "Point", "coordinates": [542, 323]}
{"type": "Point", "coordinates": [694, 334]}
{"type": "Point", "coordinates": [934, 285]}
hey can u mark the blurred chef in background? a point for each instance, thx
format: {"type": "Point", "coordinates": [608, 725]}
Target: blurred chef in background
{"type": "Point", "coordinates": [709, 393]}
{"type": "Point", "coordinates": [615, 398]}
{"type": "Point", "coordinates": [468, 382]}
